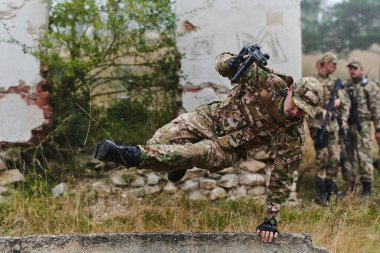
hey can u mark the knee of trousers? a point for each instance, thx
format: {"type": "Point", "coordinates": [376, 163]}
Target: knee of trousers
{"type": "Point", "coordinates": [219, 158]}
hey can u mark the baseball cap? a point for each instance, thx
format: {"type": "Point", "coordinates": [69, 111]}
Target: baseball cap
{"type": "Point", "coordinates": [308, 91]}
{"type": "Point", "coordinates": [355, 62]}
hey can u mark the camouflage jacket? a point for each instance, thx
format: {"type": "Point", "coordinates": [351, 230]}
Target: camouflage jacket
{"type": "Point", "coordinates": [367, 95]}
{"type": "Point", "coordinates": [252, 116]}
{"type": "Point", "coordinates": [328, 85]}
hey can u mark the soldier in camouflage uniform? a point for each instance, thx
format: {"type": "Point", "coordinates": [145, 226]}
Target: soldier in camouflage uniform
{"type": "Point", "coordinates": [264, 108]}
{"type": "Point", "coordinates": [365, 107]}
{"type": "Point", "coordinates": [327, 158]}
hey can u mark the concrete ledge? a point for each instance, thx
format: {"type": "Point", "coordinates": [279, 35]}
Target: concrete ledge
{"type": "Point", "coordinates": [158, 243]}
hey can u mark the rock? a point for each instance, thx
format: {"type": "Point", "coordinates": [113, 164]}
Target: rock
{"type": "Point", "coordinates": [251, 179]}
{"type": "Point", "coordinates": [122, 177]}
{"type": "Point", "coordinates": [58, 190]}
{"type": "Point", "coordinates": [252, 165]}
{"type": "Point", "coordinates": [5, 156]}
{"type": "Point", "coordinates": [228, 181]}
{"type": "Point", "coordinates": [101, 186]}
{"type": "Point", "coordinates": [214, 176]}
{"type": "Point", "coordinates": [3, 190]}
{"type": "Point", "coordinates": [197, 195]}
{"type": "Point", "coordinates": [170, 187]}
{"type": "Point", "coordinates": [195, 173]}
{"type": "Point", "coordinates": [239, 192]}
{"type": "Point", "coordinates": [217, 193]}
{"type": "Point", "coordinates": [207, 184]}
{"type": "Point", "coordinates": [190, 185]}
{"type": "Point", "coordinates": [138, 182]}
{"type": "Point", "coordinates": [2, 165]}
{"type": "Point", "coordinates": [11, 176]}
{"type": "Point", "coordinates": [151, 189]}
{"type": "Point", "coordinates": [257, 191]}
{"type": "Point", "coordinates": [153, 179]}
{"type": "Point", "coordinates": [229, 170]}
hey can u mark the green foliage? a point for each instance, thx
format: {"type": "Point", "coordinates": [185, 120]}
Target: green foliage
{"type": "Point", "coordinates": [110, 43]}
{"type": "Point", "coordinates": [351, 24]}
{"type": "Point", "coordinates": [95, 49]}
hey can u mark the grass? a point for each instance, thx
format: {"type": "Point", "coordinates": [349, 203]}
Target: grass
{"type": "Point", "coordinates": [351, 226]}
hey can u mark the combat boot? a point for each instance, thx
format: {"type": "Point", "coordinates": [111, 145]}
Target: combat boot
{"type": "Point", "coordinates": [108, 151]}
{"type": "Point", "coordinates": [321, 194]}
{"type": "Point", "coordinates": [367, 187]}
{"type": "Point", "coordinates": [176, 175]}
{"type": "Point", "coordinates": [331, 189]}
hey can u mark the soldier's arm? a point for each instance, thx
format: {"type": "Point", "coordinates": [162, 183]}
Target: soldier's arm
{"type": "Point", "coordinates": [344, 105]}
{"type": "Point", "coordinates": [287, 161]}
{"type": "Point", "coordinates": [222, 66]}
{"type": "Point", "coordinates": [373, 92]}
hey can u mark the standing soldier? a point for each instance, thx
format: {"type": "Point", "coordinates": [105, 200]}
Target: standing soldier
{"type": "Point", "coordinates": [264, 108]}
{"type": "Point", "coordinates": [365, 107]}
{"type": "Point", "coordinates": [327, 156]}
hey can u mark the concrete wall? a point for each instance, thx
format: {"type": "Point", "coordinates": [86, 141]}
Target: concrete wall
{"type": "Point", "coordinates": [206, 28]}
{"type": "Point", "coordinates": [24, 107]}
{"type": "Point", "coordinates": [158, 243]}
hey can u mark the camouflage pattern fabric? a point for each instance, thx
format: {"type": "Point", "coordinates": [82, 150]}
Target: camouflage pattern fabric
{"type": "Point", "coordinates": [358, 154]}
{"type": "Point", "coordinates": [219, 134]}
{"type": "Point", "coordinates": [327, 158]}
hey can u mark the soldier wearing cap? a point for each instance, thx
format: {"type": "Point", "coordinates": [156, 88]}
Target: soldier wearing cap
{"type": "Point", "coordinates": [261, 110]}
{"type": "Point", "coordinates": [365, 108]}
{"type": "Point", "coordinates": [327, 158]}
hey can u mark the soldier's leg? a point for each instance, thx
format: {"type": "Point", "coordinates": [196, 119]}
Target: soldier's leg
{"type": "Point", "coordinates": [351, 160]}
{"type": "Point", "coordinates": [321, 155]}
{"type": "Point", "coordinates": [206, 154]}
{"type": "Point", "coordinates": [186, 128]}
{"type": "Point", "coordinates": [332, 165]}
{"type": "Point", "coordinates": [365, 159]}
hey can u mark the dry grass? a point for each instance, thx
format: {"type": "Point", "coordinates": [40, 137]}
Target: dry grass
{"type": "Point", "coordinates": [351, 226]}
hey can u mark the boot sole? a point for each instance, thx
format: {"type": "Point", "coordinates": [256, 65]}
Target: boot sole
{"type": "Point", "coordinates": [176, 175]}
{"type": "Point", "coordinates": [102, 149]}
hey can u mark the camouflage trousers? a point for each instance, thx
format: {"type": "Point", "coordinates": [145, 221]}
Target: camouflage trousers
{"type": "Point", "coordinates": [357, 154]}
{"type": "Point", "coordinates": [327, 158]}
{"type": "Point", "coordinates": [198, 148]}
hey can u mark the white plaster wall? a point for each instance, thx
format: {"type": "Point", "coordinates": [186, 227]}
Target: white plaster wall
{"type": "Point", "coordinates": [17, 119]}
{"type": "Point", "coordinates": [24, 21]}
{"type": "Point", "coordinates": [227, 26]}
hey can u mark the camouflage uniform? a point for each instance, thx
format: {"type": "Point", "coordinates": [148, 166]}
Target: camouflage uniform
{"type": "Point", "coordinates": [367, 95]}
{"type": "Point", "coordinates": [327, 158]}
{"type": "Point", "coordinates": [219, 134]}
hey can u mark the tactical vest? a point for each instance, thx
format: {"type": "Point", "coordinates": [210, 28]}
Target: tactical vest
{"type": "Point", "coordinates": [247, 112]}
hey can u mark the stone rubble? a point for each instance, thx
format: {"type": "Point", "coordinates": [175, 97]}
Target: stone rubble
{"type": "Point", "coordinates": [249, 178]}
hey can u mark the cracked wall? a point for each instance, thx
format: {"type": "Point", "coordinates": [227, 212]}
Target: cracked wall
{"type": "Point", "coordinates": [206, 28]}
{"type": "Point", "coordinates": [24, 95]}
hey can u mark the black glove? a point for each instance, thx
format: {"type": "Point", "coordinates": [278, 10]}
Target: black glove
{"type": "Point", "coordinates": [268, 225]}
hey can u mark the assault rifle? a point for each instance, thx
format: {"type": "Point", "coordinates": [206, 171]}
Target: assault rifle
{"type": "Point", "coordinates": [254, 55]}
{"type": "Point", "coordinates": [353, 118]}
{"type": "Point", "coordinates": [321, 139]}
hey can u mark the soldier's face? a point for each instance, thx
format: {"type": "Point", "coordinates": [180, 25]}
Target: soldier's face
{"type": "Point", "coordinates": [331, 67]}
{"type": "Point", "coordinates": [290, 108]}
{"type": "Point", "coordinates": [355, 71]}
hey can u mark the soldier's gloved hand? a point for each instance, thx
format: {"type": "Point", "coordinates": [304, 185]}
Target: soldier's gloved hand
{"type": "Point", "coordinates": [268, 230]}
